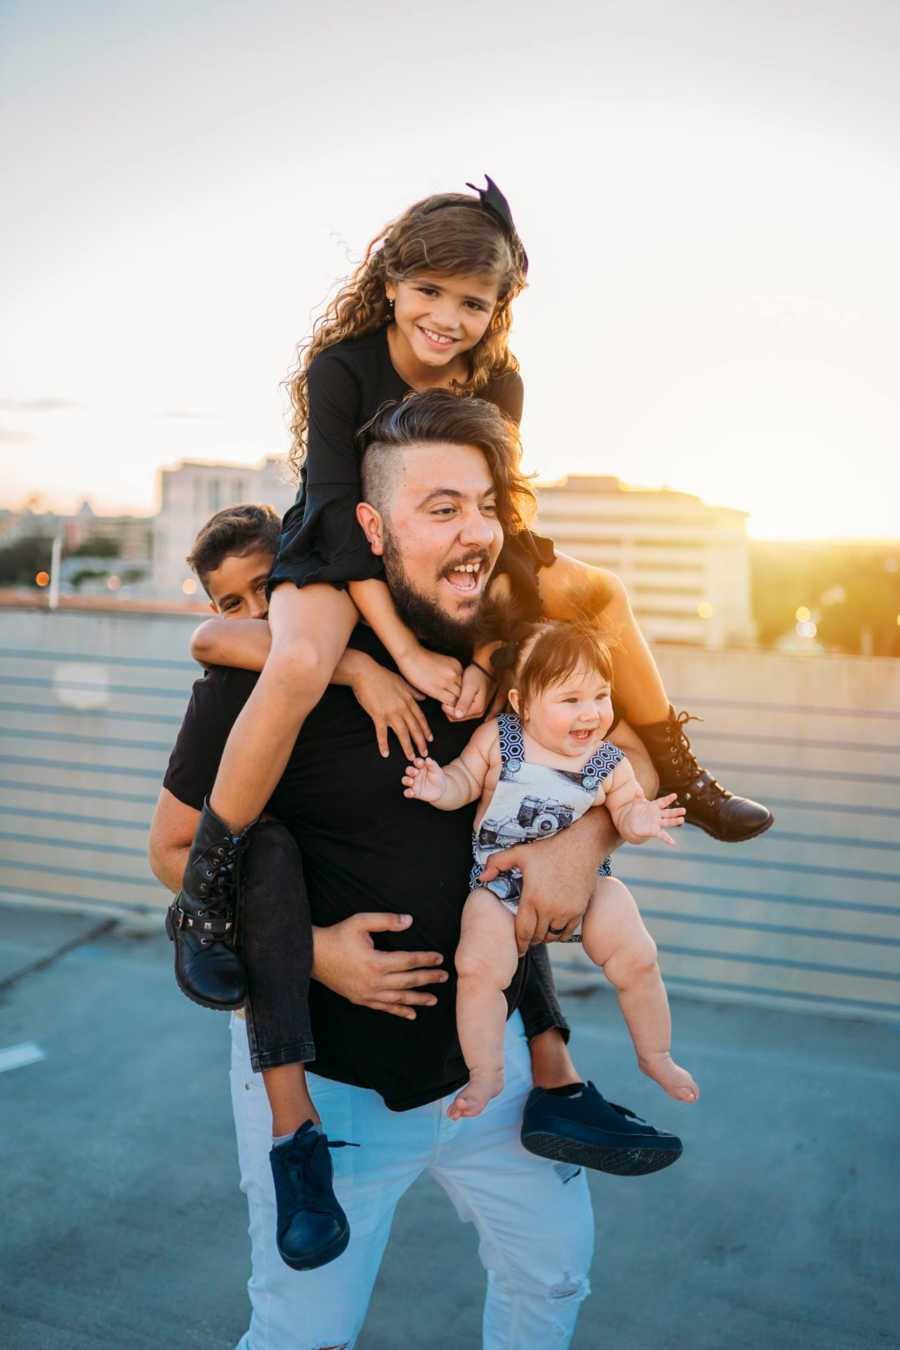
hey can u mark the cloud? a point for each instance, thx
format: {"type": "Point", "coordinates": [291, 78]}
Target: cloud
{"type": "Point", "coordinates": [10, 436]}
{"type": "Point", "coordinates": [190, 415]}
{"type": "Point", "coordinates": [39, 405]}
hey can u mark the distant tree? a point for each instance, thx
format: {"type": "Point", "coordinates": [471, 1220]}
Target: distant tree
{"type": "Point", "coordinates": [97, 548]}
{"type": "Point", "coordinates": [851, 589]}
{"type": "Point", "coordinates": [21, 561]}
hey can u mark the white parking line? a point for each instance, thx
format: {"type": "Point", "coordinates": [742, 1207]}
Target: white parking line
{"type": "Point", "coordinates": [17, 1056]}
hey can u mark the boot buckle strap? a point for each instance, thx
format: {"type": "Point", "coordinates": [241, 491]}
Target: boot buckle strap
{"type": "Point", "coordinates": [215, 927]}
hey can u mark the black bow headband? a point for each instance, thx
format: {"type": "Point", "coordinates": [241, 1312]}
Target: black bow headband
{"type": "Point", "coordinates": [492, 199]}
{"type": "Point", "coordinates": [507, 656]}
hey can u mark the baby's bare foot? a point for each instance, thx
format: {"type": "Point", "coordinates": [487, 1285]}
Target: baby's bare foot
{"type": "Point", "coordinates": [479, 1090]}
{"type": "Point", "coordinates": [671, 1076]}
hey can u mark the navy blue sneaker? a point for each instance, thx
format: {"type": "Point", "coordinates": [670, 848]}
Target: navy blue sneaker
{"type": "Point", "coordinates": [312, 1228]}
{"type": "Point", "coordinates": [585, 1129]}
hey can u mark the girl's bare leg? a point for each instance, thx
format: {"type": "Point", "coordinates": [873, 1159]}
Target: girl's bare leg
{"type": "Point", "coordinates": [639, 686]}
{"type": "Point", "coordinates": [615, 938]}
{"type": "Point", "coordinates": [289, 1099]}
{"type": "Point", "coordinates": [486, 960]}
{"type": "Point", "coordinates": [310, 628]}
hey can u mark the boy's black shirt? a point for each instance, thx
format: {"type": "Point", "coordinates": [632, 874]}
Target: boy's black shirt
{"type": "Point", "coordinates": [365, 847]}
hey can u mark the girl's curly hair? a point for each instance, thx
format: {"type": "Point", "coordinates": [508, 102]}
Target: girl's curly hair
{"type": "Point", "coordinates": [449, 234]}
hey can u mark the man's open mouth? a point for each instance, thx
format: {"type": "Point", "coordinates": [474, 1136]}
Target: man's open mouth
{"type": "Point", "coordinates": [467, 577]}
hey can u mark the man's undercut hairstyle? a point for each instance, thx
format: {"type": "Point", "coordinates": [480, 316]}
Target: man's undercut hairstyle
{"type": "Point", "coordinates": [234, 532]}
{"type": "Point", "coordinates": [549, 653]}
{"type": "Point", "coordinates": [438, 416]}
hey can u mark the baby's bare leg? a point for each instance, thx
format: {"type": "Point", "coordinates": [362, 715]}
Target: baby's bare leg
{"type": "Point", "coordinates": [486, 960]}
{"type": "Point", "coordinates": [615, 938]}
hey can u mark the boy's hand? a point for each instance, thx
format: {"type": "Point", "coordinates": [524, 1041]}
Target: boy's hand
{"type": "Point", "coordinates": [647, 820]}
{"type": "Point", "coordinates": [439, 677]}
{"type": "Point", "coordinates": [393, 705]}
{"type": "Point", "coordinates": [474, 696]}
{"type": "Point", "coordinates": [424, 780]}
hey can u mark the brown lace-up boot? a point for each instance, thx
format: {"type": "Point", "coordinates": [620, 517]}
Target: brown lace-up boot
{"type": "Point", "coordinates": [708, 805]}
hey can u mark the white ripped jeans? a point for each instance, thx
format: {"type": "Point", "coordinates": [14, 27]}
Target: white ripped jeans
{"type": "Point", "coordinates": [533, 1217]}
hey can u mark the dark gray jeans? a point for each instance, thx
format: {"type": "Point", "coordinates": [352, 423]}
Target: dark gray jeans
{"type": "Point", "coordinates": [277, 947]}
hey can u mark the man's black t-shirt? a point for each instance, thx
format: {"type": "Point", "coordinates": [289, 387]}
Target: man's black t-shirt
{"type": "Point", "coordinates": [365, 847]}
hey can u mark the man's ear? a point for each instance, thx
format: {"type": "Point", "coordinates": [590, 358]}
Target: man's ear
{"type": "Point", "coordinates": [372, 526]}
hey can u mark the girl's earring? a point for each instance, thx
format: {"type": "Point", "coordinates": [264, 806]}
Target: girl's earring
{"type": "Point", "coordinates": [390, 311]}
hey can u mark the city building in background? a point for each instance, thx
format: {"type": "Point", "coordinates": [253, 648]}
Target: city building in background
{"type": "Point", "coordinates": [686, 565]}
{"type": "Point", "coordinates": [193, 490]}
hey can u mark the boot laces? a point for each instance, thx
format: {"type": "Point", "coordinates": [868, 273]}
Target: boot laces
{"type": "Point", "coordinates": [684, 762]}
{"type": "Point", "coordinates": [308, 1167]}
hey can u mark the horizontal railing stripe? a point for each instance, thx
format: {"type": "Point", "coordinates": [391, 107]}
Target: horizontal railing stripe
{"type": "Point", "coordinates": [797, 742]}
{"type": "Point", "coordinates": [781, 962]}
{"type": "Point", "coordinates": [806, 709]}
{"type": "Point", "coordinates": [82, 872]}
{"type": "Point", "coordinates": [833, 840]}
{"type": "Point", "coordinates": [795, 994]}
{"type": "Point", "coordinates": [84, 845]}
{"type": "Point", "coordinates": [837, 841]}
{"type": "Point", "coordinates": [98, 658]}
{"type": "Point", "coordinates": [42, 710]}
{"type": "Point", "coordinates": [818, 775]}
{"type": "Point", "coordinates": [141, 691]}
{"type": "Point", "coordinates": [768, 865]}
{"type": "Point", "coordinates": [63, 765]}
{"type": "Point", "coordinates": [68, 817]}
{"type": "Point", "coordinates": [61, 789]}
{"type": "Point", "coordinates": [762, 898]}
{"type": "Point", "coordinates": [71, 738]}
{"type": "Point", "coordinates": [757, 926]}
{"type": "Point", "coordinates": [18, 893]}
{"type": "Point", "coordinates": [834, 808]}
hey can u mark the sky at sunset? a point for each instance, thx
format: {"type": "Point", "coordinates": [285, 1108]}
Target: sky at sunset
{"type": "Point", "coordinates": [708, 193]}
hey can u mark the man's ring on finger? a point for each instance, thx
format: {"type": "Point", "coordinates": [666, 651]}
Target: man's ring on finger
{"type": "Point", "coordinates": [556, 931]}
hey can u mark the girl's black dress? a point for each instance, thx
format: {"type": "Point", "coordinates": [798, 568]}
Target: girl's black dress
{"type": "Point", "coordinates": [321, 539]}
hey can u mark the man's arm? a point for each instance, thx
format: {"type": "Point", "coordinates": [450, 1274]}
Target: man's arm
{"type": "Point", "coordinates": [172, 832]}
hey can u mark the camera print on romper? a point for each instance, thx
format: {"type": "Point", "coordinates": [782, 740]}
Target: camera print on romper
{"type": "Point", "coordinates": [534, 801]}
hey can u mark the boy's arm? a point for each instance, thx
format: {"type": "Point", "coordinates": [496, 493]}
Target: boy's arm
{"type": "Point", "coordinates": [244, 643]}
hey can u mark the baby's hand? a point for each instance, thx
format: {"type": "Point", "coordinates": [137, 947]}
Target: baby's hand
{"type": "Point", "coordinates": [473, 699]}
{"type": "Point", "coordinates": [647, 820]}
{"type": "Point", "coordinates": [424, 780]}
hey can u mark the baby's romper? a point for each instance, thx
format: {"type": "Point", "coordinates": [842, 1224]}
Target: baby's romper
{"type": "Point", "coordinates": [534, 801]}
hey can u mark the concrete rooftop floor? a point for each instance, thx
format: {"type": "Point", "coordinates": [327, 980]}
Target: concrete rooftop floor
{"type": "Point", "coordinates": [123, 1228]}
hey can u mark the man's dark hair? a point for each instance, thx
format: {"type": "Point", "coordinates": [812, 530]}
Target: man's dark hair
{"type": "Point", "coordinates": [236, 531]}
{"type": "Point", "coordinates": [439, 415]}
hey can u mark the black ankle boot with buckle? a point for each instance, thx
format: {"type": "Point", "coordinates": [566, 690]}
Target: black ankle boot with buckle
{"type": "Point", "coordinates": [202, 919]}
{"type": "Point", "coordinates": [708, 805]}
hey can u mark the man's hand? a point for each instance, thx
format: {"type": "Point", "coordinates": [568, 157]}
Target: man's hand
{"type": "Point", "coordinates": [558, 877]}
{"type": "Point", "coordinates": [346, 960]}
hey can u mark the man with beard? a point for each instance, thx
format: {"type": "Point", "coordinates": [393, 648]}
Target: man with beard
{"type": "Point", "coordinates": [438, 479]}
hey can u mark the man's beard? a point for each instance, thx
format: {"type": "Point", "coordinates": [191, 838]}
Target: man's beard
{"type": "Point", "coordinates": [431, 625]}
